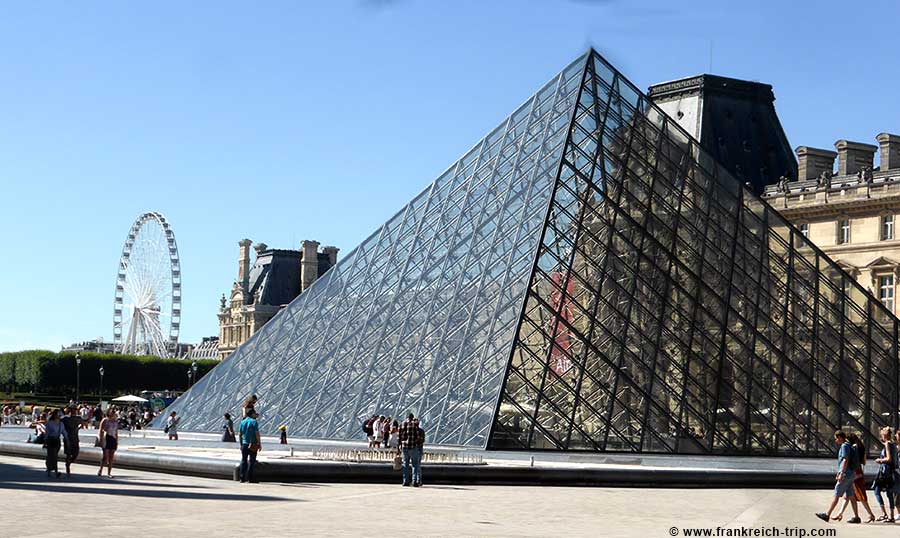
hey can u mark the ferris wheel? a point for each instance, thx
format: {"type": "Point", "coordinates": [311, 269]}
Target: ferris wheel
{"type": "Point", "coordinates": [147, 309]}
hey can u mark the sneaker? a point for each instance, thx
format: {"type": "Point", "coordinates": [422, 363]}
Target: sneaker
{"type": "Point", "coordinates": [854, 520]}
{"type": "Point", "coordinates": [823, 516]}
{"type": "Point", "coordinates": [405, 485]}
{"type": "Point", "coordinates": [417, 485]}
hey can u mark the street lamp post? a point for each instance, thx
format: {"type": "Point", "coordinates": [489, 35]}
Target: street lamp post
{"type": "Point", "coordinates": [77, 378]}
{"type": "Point", "coordinates": [190, 381]}
{"type": "Point", "coordinates": [194, 372]}
{"type": "Point", "coordinates": [101, 385]}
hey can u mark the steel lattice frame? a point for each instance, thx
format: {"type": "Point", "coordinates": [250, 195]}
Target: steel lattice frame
{"type": "Point", "coordinates": [147, 305]}
{"type": "Point", "coordinates": [585, 278]}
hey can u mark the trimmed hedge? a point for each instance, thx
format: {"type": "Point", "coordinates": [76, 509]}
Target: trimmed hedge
{"type": "Point", "coordinates": [49, 372]}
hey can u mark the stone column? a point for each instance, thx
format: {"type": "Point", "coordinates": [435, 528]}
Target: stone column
{"type": "Point", "coordinates": [244, 264]}
{"type": "Point", "coordinates": [309, 264]}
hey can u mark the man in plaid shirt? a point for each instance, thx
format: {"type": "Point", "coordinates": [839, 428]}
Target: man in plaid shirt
{"type": "Point", "coordinates": [408, 437]}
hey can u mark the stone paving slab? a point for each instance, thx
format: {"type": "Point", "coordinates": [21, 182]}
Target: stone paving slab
{"type": "Point", "coordinates": [144, 503]}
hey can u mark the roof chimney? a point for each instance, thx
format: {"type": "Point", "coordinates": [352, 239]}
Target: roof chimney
{"type": "Point", "coordinates": [244, 263]}
{"type": "Point", "coordinates": [854, 156]}
{"type": "Point", "coordinates": [332, 253]}
{"type": "Point", "coordinates": [309, 264]}
{"type": "Point", "coordinates": [814, 161]}
{"type": "Point", "coordinates": [890, 151]}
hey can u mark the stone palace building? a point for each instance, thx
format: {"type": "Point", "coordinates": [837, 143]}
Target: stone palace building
{"type": "Point", "coordinates": [851, 214]}
{"type": "Point", "coordinates": [275, 279]}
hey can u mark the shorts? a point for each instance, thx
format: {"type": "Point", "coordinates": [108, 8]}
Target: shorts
{"type": "Point", "coordinates": [71, 449]}
{"type": "Point", "coordinates": [111, 443]}
{"type": "Point", "coordinates": [844, 486]}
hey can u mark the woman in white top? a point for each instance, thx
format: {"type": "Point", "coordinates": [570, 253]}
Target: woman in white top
{"type": "Point", "coordinates": [377, 432]}
{"type": "Point", "coordinates": [172, 426]}
{"type": "Point", "coordinates": [109, 441]}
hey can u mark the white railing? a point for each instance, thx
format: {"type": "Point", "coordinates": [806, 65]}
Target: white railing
{"type": "Point", "coordinates": [357, 455]}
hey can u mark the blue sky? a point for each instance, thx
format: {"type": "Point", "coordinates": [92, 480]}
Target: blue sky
{"type": "Point", "coordinates": [282, 121]}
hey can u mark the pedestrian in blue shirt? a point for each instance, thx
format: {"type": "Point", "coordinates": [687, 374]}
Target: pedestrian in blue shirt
{"type": "Point", "coordinates": [251, 444]}
{"type": "Point", "coordinates": [848, 462]}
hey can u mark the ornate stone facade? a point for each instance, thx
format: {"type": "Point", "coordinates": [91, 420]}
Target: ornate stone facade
{"type": "Point", "coordinates": [275, 279]}
{"type": "Point", "coordinates": [851, 215]}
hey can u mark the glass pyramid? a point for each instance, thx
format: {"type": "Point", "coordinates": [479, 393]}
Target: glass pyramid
{"type": "Point", "coordinates": [584, 278]}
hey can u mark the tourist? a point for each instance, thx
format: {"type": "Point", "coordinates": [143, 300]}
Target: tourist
{"type": "Point", "coordinates": [109, 441]}
{"type": "Point", "coordinates": [54, 429]}
{"type": "Point", "coordinates": [84, 412]}
{"type": "Point", "coordinates": [368, 429]}
{"type": "Point", "coordinates": [378, 432]}
{"type": "Point", "coordinates": [394, 439]}
{"type": "Point", "coordinates": [172, 426]}
{"type": "Point", "coordinates": [418, 453]}
{"type": "Point", "coordinates": [859, 482]}
{"type": "Point", "coordinates": [98, 416]}
{"type": "Point", "coordinates": [132, 419]}
{"type": "Point", "coordinates": [847, 464]}
{"type": "Point", "coordinates": [251, 444]}
{"type": "Point", "coordinates": [250, 403]}
{"type": "Point", "coordinates": [885, 480]}
{"type": "Point", "coordinates": [228, 426]}
{"type": "Point", "coordinates": [72, 423]}
{"type": "Point", "coordinates": [283, 430]}
{"type": "Point", "coordinates": [407, 442]}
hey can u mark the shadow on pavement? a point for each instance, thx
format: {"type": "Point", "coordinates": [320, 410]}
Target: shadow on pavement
{"type": "Point", "coordinates": [17, 477]}
{"type": "Point", "coordinates": [62, 488]}
{"type": "Point", "coordinates": [82, 474]}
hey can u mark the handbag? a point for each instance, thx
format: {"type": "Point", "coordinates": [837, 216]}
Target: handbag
{"type": "Point", "coordinates": [398, 462]}
{"type": "Point", "coordinates": [885, 477]}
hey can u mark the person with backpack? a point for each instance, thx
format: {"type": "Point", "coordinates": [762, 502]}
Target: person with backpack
{"type": "Point", "coordinates": [885, 481]}
{"type": "Point", "coordinates": [847, 465]}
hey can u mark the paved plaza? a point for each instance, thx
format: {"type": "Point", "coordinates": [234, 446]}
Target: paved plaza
{"type": "Point", "coordinates": [170, 505]}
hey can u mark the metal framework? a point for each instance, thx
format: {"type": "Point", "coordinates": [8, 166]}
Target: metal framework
{"type": "Point", "coordinates": [147, 305]}
{"type": "Point", "coordinates": [585, 278]}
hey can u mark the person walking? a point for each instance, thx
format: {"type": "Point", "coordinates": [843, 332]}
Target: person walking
{"type": "Point", "coordinates": [858, 491]}
{"type": "Point", "coordinates": [885, 480]}
{"type": "Point", "coordinates": [251, 444]}
{"type": "Point", "coordinates": [109, 441]}
{"type": "Point", "coordinates": [54, 430]}
{"type": "Point", "coordinates": [172, 426]}
{"type": "Point", "coordinates": [417, 457]}
{"type": "Point", "coordinates": [72, 423]}
{"type": "Point", "coordinates": [228, 426]}
{"type": "Point", "coordinates": [847, 464]}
